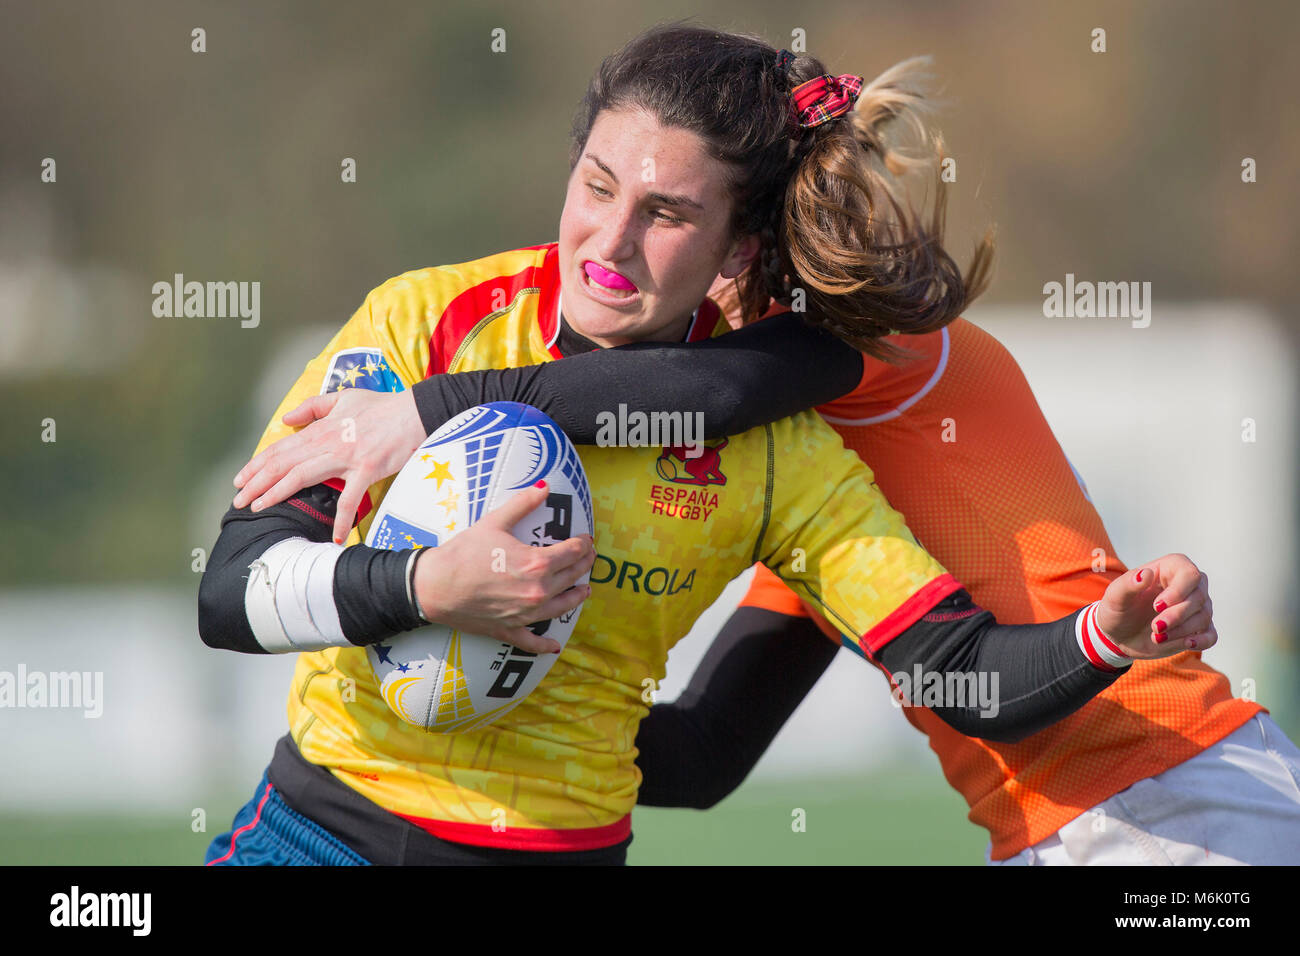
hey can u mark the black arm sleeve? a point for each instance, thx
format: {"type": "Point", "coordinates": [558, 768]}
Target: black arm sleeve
{"type": "Point", "coordinates": [695, 751]}
{"type": "Point", "coordinates": [1000, 682]}
{"type": "Point", "coordinates": [369, 583]}
{"type": "Point", "coordinates": [759, 374]}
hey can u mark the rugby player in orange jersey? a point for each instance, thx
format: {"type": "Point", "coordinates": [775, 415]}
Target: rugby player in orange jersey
{"type": "Point", "coordinates": [1174, 768]}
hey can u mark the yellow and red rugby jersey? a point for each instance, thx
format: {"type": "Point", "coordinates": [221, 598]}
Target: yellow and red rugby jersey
{"type": "Point", "coordinates": [1002, 508]}
{"type": "Point", "coordinates": [558, 772]}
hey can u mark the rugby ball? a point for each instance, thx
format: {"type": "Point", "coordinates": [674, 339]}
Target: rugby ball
{"type": "Point", "coordinates": [437, 678]}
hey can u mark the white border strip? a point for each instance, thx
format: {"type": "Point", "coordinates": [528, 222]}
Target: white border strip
{"type": "Point", "coordinates": [904, 406]}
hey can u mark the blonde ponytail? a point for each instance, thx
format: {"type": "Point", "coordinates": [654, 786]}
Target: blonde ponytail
{"type": "Point", "coordinates": [869, 260]}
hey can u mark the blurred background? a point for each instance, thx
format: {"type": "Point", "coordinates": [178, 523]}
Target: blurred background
{"type": "Point", "coordinates": [224, 165]}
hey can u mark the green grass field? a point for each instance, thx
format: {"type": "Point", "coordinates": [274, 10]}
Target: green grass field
{"type": "Point", "coordinates": [908, 818]}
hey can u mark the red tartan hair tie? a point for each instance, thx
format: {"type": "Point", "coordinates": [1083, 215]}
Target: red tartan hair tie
{"type": "Point", "coordinates": [825, 97]}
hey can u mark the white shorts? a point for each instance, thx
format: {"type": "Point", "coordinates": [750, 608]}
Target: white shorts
{"type": "Point", "coordinates": [1235, 803]}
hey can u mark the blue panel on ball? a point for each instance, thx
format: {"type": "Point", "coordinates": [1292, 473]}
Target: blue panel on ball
{"type": "Point", "coordinates": [394, 534]}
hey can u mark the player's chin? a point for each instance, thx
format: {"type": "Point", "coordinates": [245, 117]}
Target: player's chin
{"type": "Point", "coordinates": [606, 324]}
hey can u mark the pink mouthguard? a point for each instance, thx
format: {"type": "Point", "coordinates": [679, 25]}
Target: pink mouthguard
{"type": "Point", "coordinates": [610, 280]}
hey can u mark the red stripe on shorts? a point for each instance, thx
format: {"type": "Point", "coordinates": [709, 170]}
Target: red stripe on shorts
{"type": "Point", "coordinates": [248, 826]}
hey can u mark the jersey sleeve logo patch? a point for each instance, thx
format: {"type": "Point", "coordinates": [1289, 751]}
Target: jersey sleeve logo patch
{"type": "Point", "coordinates": [361, 368]}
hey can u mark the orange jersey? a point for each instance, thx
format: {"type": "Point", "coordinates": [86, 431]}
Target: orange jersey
{"type": "Point", "coordinates": [959, 446]}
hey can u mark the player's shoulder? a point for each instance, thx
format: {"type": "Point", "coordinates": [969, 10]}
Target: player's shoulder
{"type": "Point", "coordinates": [428, 295]}
{"type": "Point", "coordinates": [957, 365]}
{"type": "Point", "coordinates": [804, 450]}
{"type": "Point", "coordinates": [806, 428]}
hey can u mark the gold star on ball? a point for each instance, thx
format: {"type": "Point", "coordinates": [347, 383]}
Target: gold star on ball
{"type": "Point", "coordinates": [441, 471]}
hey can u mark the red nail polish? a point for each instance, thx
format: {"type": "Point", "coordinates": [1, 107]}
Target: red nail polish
{"type": "Point", "coordinates": [1158, 638]}
{"type": "Point", "coordinates": [1160, 606]}
{"type": "Point", "coordinates": [1160, 627]}
{"type": "Point", "coordinates": [1191, 645]}
{"type": "Point", "coordinates": [541, 483]}
{"type": "Point", "coordinates": [1139, 577]}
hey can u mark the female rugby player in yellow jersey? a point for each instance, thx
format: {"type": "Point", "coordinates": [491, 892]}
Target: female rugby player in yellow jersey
{"type": "Point", "coordinates": [634, 260]}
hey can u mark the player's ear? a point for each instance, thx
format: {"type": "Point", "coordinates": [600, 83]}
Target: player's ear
{"type": "Point", "coordinates": [743, 251]}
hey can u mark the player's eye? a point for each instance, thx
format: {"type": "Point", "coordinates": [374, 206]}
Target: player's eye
{"type": "Point", "coordinates": [666, 217]}
{"type": "Point", "coordinates": [598, 191]}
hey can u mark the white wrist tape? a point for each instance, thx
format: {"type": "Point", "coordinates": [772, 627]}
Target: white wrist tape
{"type": "Point", "coordinates": [1101, 651]}
{"type": "Point", "coordinates": [289, 600]}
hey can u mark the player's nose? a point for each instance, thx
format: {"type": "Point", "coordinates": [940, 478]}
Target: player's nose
{"type": "Point", "coordinates": [617, 236]}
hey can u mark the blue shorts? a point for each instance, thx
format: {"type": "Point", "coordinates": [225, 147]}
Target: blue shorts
{"type": "Point", "coordinates": [266, 832]}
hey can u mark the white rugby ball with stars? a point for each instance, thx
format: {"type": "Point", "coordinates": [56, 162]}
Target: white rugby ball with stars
{"type": "Point", "coordinates": [437, 678]}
